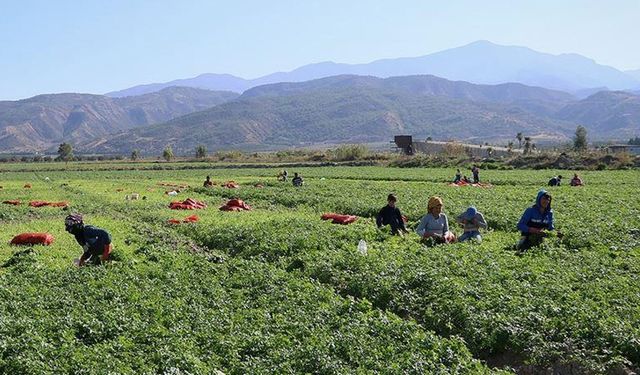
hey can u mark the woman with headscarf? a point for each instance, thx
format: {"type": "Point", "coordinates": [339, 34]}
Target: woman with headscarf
{"type": "Point", "coordinates": [95, 242]}
{"type": "Point", "coordinates": [536, 221]}
{"type": "Point", "coordinates": [435, 224]}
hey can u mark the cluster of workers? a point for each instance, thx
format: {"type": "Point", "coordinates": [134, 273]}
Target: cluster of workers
{"type": "Point", "coordinates": [534, 225]}
{"type": "Point", "coordinates": [475, 171]}
{"type": "Point", "coordinates": [575, 181]}
{"type": "Point", "coordinates": [296, 180]}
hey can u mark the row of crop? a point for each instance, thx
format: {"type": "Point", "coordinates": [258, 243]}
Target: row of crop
{"type": "Point", "coordinates": [550, 306]}
{"type": "Point", "coordinates": [164, 310]}
{"type": "Point", "coordinates": [158, 308]}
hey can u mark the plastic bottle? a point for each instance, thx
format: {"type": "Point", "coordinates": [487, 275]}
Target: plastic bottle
{"type": "Point", "coordinates": [362, 247]}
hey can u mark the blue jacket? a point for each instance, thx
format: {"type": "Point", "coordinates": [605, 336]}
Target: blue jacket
{"type": "Point", "coordinates": [532, 217]}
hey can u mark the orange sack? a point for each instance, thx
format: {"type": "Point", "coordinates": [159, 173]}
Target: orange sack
{"type": "Point", "coordinates": [235, 205]}
{"type": "Point", "coordinates": [32, 239]}
{"type": "Point", "coordinates": [339, 219]}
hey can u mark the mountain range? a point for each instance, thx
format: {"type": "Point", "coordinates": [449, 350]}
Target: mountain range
{"type": "Point", "coordinates": [318, 104]}
{"type": "Point", "coordinates": [42, 122]}
{"type": "Point", "coordinates": [351, 108]}
{"type": "Point", "coordinates": [481, 62]}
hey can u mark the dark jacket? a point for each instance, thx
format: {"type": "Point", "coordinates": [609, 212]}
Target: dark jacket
{"type": "Point", "coordinates": [390, 216]}
{"type": "Point", "coordinates": [533, 218]}
{"type": "Point", "coordinates": [94, 238]}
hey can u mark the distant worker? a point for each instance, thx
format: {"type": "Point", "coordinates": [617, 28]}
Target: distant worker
{"type": "Point", "coordinates": [95, 242]}
{"type": "Point", "coordinates": [536, 222]}
{"type": "Point", "coordinates": [476, 174]}
{"type": "Point", "coordinates": [471, 220]}
{"type": "Point", "coordinates": [297, 180]}
{"type": "Point", "coordinates": [458, 176]}
{"type": "Point", "coordinates": [282, 176]}
{"type": "Point", "coordinates": [555, 181]}
{"type": "Point", "coordinates": [390, 215]}
{"type": "Point", "coordinates": [435, 223]}
{"type": "Point", "coordinates": [208, 182]}
{"type": "Point", "coordinates": [466, 179]}
{"type": "Point", "coordinates": [576, 181]}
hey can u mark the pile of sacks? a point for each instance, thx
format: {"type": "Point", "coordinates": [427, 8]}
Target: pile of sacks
{"type": "Point", "coordinates": [187, 204]}
{"type": "Point", "coordinates": [339, 219]}
{"type": "Point", "coordinates": [235, 205]}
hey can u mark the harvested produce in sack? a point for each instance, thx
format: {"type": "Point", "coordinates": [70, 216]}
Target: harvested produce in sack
{"type": "Point", "coordinates": [235, 205]}
{"type": "Point", "coordinates": [32, 239]}
{"type": "Point", "coordinates": [187, 204]}
{"type": "Point", "coordinates": [45, 203]}
{"type": "Point", "coordinates": [338, 218]}
{"type": "Point", "coordinates": [188, 219]}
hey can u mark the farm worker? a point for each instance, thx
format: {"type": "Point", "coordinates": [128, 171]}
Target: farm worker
{"type": "Point", "coordinates": [458, 177]}
{"type": "Point", "coordinates": [555, 181]}
{"type": "Point", "coordinates": [576, 181]}
{"type": "Point", "coordinates": [390, 215]}
{"type": "Point", "coordinates": [282, 176]}
{"type": "Point", "coordinates": [466, 179]}
{"type": "Point", "coordinates": [476, 174]}
{"type": "Point", "coordinates": [208, 182]}
{"type": "Point", "coordinates": [435, 223]}
{"type": "Point", "coordinates": [536, 221]}
{"type": "Point", "coordinates": [471, 220]}
{"type": "Point", "coordinates": [95, 242]}
{"type": "Point", "coordinates": [297, 180]}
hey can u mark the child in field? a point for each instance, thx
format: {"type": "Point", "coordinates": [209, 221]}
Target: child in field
{"type": "Point", "coordinates": [471, 220]}
{"type": "Point", "coordinates": [208, 182]}
{"type": "Point", "coordinates": [476, 174]}
{"type": "Point", "coordinates": [95, 242]}
{"type": "Point", "coordinates": [576, 181]}
{"type": "Point", "coordinates": [555, 181]}
{"type": "Point", "coordinates": [297, 180]}
{"type": "Point", "coordinates": [390, 215]}
{"type": "Point", "coordinates": [536, 222]}
{"type": "Point", "coordinates": [435, 223]}
{"type": "Point", "coordinates": [458, 177]}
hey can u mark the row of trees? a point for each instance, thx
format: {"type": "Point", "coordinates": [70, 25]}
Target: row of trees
{"type": "Point", "coordinates": [65, 153]}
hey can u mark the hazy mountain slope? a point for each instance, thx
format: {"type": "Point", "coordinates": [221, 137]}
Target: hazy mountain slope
{"type": "Point", "coordinates": [616, 113]}
{"type": "Point", "coordinates": [634, 73]}
{"type": "Point", "coordinates": [41, 122]}
{"type": "Point", "coordinates": [347, 109]}
{"type": "Point", "coordinates": [208, 81]}
{"type": "Point", "coordinates": [479, 62]}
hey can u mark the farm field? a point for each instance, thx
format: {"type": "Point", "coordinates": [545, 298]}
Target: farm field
{"type": "Point", "coordinates": [277, 290]}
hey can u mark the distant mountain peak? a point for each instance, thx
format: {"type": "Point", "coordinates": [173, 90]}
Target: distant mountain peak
{"type": "Point", "coordinates": [480, 62]}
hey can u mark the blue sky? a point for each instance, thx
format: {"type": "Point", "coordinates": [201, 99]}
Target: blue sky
{"type": "Point", "coordinates": [96, 46]}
